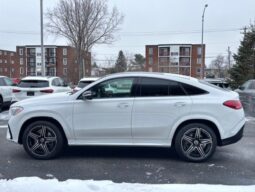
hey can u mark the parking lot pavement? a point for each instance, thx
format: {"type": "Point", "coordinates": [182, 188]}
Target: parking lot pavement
{"type": "Point", "coordinates": [231, 165]}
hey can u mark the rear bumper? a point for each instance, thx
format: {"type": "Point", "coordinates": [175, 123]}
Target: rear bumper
{"type": "Point", "coordinates": [232, 139]}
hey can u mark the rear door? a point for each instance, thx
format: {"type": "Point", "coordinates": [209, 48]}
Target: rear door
{"type": "Point", "coordinates": [158, 105]}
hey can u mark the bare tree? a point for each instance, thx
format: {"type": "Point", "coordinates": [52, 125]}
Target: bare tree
{"type": "Point", "coordinates": [84, 23]}
{"type": "Point", "coordinates": [219, 65]}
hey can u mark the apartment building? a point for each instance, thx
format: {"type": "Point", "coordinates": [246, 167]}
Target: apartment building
{"type": "Point", "coordinates": [59, 61]}
{"type": "Point", "coordinates": [184, 59]}
{"type": "Point", "coordinates": [7, 63]}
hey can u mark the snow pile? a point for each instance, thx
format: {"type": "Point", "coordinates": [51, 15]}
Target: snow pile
{"type": "Point", "coordinates": [35, 184]}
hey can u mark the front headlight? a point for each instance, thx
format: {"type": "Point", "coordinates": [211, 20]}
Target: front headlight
{"type": "Point", "coordinates": [15, 110]}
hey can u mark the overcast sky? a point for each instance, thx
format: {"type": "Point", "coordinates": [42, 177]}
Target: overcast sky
{"type": "Point", "coordinates": [146, 22]}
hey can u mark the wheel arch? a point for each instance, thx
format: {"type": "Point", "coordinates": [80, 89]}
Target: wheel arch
{"type": "Point", "coordinates": [49, 119]}
{"type": "Point", "coordinates": [203, 121]}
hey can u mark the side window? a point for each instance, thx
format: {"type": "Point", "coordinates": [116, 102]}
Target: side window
{"type": "Point", "coordinates": [2, 83]}
{"type": "Point", "coordinates": [251, 85]}
{"type": "Point", "coordinates": [61, 82]}
{"type": "Point", "coordinates": [152, 87]}
{"type": "Point", "coordinates": [175, 89]}
{"type": "Point", "coordinates": [191, 90]}
{"type": "Point", "coordinates": [8, 82]}
{"type": "Point", "coordinates": [115, 88]}
{"type": "Point", "coordinates": [56, 83]}
{"type": "Point", "coordinates": [245, 85]}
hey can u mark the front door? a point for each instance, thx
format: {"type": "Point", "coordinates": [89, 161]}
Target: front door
{"type": "Point", "coordinates": [106, 118]}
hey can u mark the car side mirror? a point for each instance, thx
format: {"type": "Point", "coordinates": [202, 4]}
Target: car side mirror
{"type": "Point", "coordinates": [87, 95]}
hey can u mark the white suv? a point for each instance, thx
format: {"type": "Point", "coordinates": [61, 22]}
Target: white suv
{"type": "Point", "coordinates": [29, 87]}
{"type": "Point", "coordinates": [5, 91]}
{"type": "Point", "coordinates": [145, 109]}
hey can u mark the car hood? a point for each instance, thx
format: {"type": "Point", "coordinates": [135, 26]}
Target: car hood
{"type": "Point", "coordinates": [45, 99]}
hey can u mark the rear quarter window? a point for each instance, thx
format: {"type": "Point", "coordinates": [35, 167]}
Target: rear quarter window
{"type": "Point", "coordinates": [33, 83]}
{"type": "Point", "coordinates": [192, 90]}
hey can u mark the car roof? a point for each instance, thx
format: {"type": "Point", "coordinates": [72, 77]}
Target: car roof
{"type": "Point", "coordinates": [89, 79]}
{"type": "Point", "coordinates": [170, 76]}
{"type": "Point", "coordinates": [38, 78]}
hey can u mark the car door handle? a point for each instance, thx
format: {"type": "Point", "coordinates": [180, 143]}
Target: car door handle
{"type": "Point", "coordinates": [122, 105]}
{"type": "Point", "coordinates": [180, 104]}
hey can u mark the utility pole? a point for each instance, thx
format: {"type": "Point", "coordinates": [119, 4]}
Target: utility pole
{"type": "Point", "coordinates": [202, 44]}
{"type": "Point", "coordinates": [42, 46]}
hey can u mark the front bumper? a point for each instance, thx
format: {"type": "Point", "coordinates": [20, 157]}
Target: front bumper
{"type": "Point", "coordinates": [232, 139]}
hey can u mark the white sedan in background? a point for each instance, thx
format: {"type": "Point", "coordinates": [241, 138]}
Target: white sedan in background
{"type": "Point", "coordinates": [35, 86]}
{"type": "Point", "coordinates": [84, 82]}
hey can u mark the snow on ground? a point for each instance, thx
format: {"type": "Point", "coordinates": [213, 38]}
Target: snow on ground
{"type": "Point", "coordinates": [35, 184]}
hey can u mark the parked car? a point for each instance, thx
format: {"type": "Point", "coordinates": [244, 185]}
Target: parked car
{"type": "Point", "coordinates": [15, 81]}
{"type": "Point", "coordinates": [218, 82]}
{"type": "Point", "coordinates": [37, 86]}
{"type": "Point", "coordinates": [160, 110]}
{"type": "Point", "coordinates": [247, 96]}
{"type": "Point", "coordinates": [5, 91]}
{"type": "Point", "coordinates": [84, 82]}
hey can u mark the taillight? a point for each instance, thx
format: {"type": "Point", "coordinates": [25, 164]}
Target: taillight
{"type": "Point", "coordinates": [15, 91]}
{"type": "Point", "coordinates": [234, 104]}
{"type": "Point", "coordinates": [47, 91]}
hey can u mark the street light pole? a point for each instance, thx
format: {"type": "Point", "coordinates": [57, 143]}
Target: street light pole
{"type": "Point", "coordinates": [42, 47]}
{"type": "Point", "coordinates": [202, 45]}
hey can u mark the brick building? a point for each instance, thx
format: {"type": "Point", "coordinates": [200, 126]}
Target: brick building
{"type": "Point", "coordinates": [184, 59]}
{"type": "Point", "coordinates": [7, 63]}
{"type": "Point", "coordinates": [59, 61]}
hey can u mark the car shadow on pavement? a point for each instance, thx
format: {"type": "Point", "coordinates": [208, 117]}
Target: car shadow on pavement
{"type": "Point", "coordinates": [119, 152]}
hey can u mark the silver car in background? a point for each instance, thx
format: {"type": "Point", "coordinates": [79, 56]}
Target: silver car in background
{"type": "Point", "coordinates": [247, 96]}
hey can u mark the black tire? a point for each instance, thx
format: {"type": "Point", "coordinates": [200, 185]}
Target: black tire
{"type": "Point", "coordinates": [195, 142]}
{"type": "Point", "coordinates": [43, 140]}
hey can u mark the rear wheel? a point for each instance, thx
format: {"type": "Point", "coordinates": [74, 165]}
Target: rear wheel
{"type": "Point", "coordinates": [43, 140]}
{"type": "Point", "coordinates": [195, 142]}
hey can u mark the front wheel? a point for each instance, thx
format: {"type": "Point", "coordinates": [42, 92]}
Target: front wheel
{"type": "Point", "coordinates": [43, 140]}
{"type": "Point", "coordinates": [195, 142]}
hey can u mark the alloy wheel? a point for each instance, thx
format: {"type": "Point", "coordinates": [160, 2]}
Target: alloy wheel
{"type": "Point", "coordinates": [196, 143]}
{"type": "Point", "coordinates": [41, 140]}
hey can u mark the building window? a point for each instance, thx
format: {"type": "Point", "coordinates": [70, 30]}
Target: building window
{"type": "Point", "coordinates": [13, 70]}
{"type": "Point", "coordinates": [5, 61]}
{"type": "Point", "coordinates": [5, 53]}
{"type": "Point", "coordinates": [0, 52]}
{"type": "Point", "coordinates": [21, 61]}
{"type": "Point", "coordinates": [185, 51]}
{"type": "Point", "coordinates": [21, 70]}
{"type": "Point", "coordinates": [1, 61]}
{"type": "Point", "coordinates": [20, 51]}
{"type": "Point", "coordinates": [199, 60]}
{"type": "Point", "coordinates": [38, 54]}
{"type": "Point", "coordinates": [164, 51]}
{"type": "Point", "coordinates": [12, 62]}
{"type": "Point", "coordinates": [5, 69]}
{"type": "Point", "coordinates": [150, 60]}
{"type": "Point", "coordinates": [184, 61]}
{"type": "Point", "coordinates": [64, 51]}
{"type": "Point", "coordinates": [12, 54]}
{"type": "Point", "coordinates": [199, 51]}
{"type": "Point", "coordinates": [1, 70]}
{"type": "Point", "coordinates": [150, 51]}
{"type": "Point", "coordinates": [64, 71]}
{"type": "Point", "coordinates": [64, 61]}
{"type": "Point", "coordinates": [164, 61]}
{"type": "Point", "coordinates": [198, 70]}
